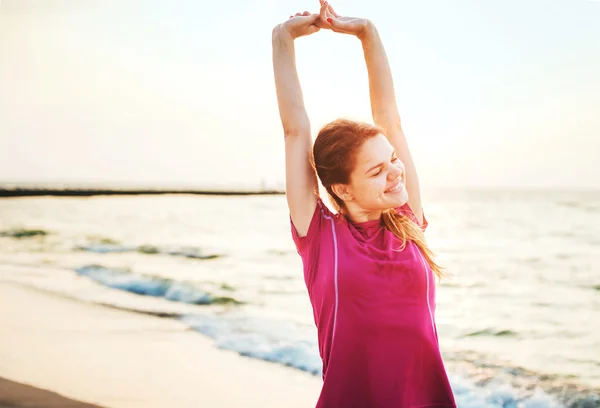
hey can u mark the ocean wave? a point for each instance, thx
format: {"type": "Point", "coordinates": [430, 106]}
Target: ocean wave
{"type": "Point", "coordinates": [109, 247]}
{"type": "Point", "coordinates": [265, 339]}
{"type": "Point", "coordinates": [579, 205]}
{"type": "Point", "coordinates": [170, 289]}
{"type": "Point", "coordinates": [280, 277]}
{"type": "Point", "coordinates": [491, 332]}
{"type": "Point", "coordinates": [461, 283]}
{"type": "Point", "coordinates": [285, 343]}
{"type": "Point", "coordinates": [468, 395]}
{"type": "Point", "coordinates": [105, 248]}
{"type": "Point", "coordinates": [281, 252]}
{"type": "Point", "coordinates": [512, 386]}
{"type": "Point", "coordinates": [24, 233]}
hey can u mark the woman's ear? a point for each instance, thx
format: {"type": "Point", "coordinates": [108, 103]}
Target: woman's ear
{"type": "Point", "coordinates": [342, 191]}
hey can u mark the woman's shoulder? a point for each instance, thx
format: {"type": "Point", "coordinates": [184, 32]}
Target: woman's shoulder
{"type": "Point", "coordinates": [407, 211]}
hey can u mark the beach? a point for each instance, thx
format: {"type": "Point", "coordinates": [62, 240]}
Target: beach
{"type": "Point", "coordinates": [181, 300]}
{"type": "Point", "coordinates": [114, 358]}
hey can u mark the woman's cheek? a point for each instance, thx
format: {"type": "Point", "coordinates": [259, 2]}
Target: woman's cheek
{"type": "Point", "coordinates": [380, 184]}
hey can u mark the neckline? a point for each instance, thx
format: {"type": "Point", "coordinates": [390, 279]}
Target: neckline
{"type": "Point", "coordinates": [366, 224]}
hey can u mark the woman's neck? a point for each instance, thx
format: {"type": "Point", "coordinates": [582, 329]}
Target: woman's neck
{"type": "Point", "coordinates": [359, 215]}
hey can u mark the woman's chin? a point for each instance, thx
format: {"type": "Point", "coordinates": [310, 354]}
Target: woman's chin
{"type": "Point", "coordinates": [399, 197]}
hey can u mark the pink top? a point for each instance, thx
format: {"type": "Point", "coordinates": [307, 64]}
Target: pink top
{"type": "Point", "coordinates": [374, 310]}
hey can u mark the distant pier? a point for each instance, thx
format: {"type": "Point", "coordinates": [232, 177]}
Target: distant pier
{"type": "Point", "coordinates": [87, 192]}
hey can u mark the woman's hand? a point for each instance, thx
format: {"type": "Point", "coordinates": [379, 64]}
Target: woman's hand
{"type": "Point", "coordinates": [299, 25]}
{"type": "Point", "coordinates": [330, 20]}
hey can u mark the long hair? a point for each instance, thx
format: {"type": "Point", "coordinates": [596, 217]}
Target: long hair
{"type": "Point", "coordinates": [334, 156]}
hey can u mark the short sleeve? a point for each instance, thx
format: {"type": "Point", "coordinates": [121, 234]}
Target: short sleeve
{"type": "Point", "coordinates": [310, 247]}
{"type": "Point", "coordinates": [406, 210]}
{"type": "Point", "coordinates": [305, 245]}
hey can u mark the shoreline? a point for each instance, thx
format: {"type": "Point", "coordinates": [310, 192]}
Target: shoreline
{"type": "Point", "coordinates": [120, 359]}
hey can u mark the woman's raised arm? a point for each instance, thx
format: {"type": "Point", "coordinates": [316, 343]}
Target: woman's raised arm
{"type": "Point", "coordinates": [385, 111]}
{"type": "Point", "coordinates": [381, 90]}
{"type": "Point", "coordinates": [301, 180]}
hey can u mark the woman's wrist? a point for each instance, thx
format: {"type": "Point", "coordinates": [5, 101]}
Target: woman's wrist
{"type": "Point", "coordinates": [281, 34]}
{"type": "Point", "coordinates": [368, 31]}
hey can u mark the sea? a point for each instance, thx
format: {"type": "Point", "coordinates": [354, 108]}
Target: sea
{"type": "Point", "coordinates": [518, 317]}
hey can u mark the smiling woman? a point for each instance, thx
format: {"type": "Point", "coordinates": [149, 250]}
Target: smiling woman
{"type": "Point", "coordinates": [369, 273]}
{"type": "Point", "coordinates": [366, 169]}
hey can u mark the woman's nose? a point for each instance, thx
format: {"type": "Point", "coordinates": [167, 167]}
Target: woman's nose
{"type": "Point", "coordinates": [395, 172]}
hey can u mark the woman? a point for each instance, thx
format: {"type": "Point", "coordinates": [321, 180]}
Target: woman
{"type": "Point", "coordinates": [369, 273]}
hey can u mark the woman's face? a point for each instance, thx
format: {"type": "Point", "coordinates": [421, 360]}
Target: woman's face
{"type": "Point", "coordinates": [377, 182]}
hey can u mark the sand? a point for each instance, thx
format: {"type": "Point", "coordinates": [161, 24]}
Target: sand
{"type": "Point", "coordinates": [14, 395]}
{"type": "Point", "coordinates": [113, 358]}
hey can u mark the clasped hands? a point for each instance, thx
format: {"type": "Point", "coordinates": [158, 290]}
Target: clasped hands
{"type": "Point", "coordinates": [305, 23]}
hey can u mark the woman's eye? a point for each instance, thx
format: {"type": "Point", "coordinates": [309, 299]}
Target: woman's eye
{"type": "Point", "coordinates": [394, 159]}
{"type": "Point", "coordinates": [377, 174]}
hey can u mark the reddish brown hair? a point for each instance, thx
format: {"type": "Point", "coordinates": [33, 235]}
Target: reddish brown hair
{"type": "Point", "coordinates": [334, 157]}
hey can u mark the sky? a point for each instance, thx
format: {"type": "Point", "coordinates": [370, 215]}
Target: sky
{"type": "Point", "coordinates": [491, 93]}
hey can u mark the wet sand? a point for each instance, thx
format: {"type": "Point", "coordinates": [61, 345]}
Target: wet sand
{"type": "Point", "coordinates": [16, 395]}
{"type": "Point", "coordinates": [113, 358]}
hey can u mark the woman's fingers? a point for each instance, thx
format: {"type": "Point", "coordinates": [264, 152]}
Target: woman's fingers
{"type": "Point", "coordinates": [315, 17]}
{"type": "Point", "coordinates": [332, 11]}
{"type": "Point", "coordinates": [323, 14]}
{"type": "Point", "coordinates": [338, 24]}
{"type": "Point", "coordinates": [307, 23]}
{"type": "Point", "coordinates": [313, 23]}
{"type": "Point", "coordinates": [329, 8]}
{"type": "Point", "coordinates": [302, 24]}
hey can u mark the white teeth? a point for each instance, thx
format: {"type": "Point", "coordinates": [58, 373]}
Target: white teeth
{"type": "Point", "coordinates": [398, 186]}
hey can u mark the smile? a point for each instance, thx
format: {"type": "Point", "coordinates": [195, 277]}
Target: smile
{"type": "Point", "coordinates": [398, 186]}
